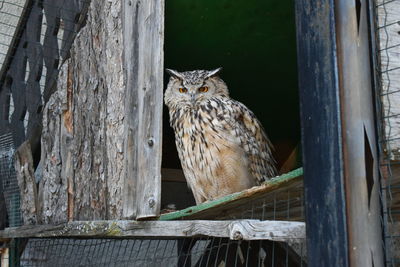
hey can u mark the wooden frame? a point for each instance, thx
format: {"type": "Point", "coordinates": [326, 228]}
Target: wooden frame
{"type": "Point", "coordinates": [233, 229]}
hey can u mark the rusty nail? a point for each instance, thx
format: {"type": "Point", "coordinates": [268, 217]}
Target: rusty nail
{"type": "Point", "coordinates": [150, 142]}
{"type": "Point", "coordinates": [237, 235]}
{"type": "Point", "coordinates": [152, 202]}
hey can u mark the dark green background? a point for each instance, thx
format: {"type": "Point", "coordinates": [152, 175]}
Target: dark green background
{"type": "Point", "coordinates": [254, 42]}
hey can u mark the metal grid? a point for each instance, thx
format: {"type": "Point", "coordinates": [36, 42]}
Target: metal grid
{"type": "Point", "coordinates": [285, 205]}
{"type": "Point", "coordinates": [35, 39]}
{"type": "Point", "coordinates": [388, 95]}
{"type": "Point", "coordinates": [9, 180]}
{"type": "Point", "coordinates": [10, 13]}
{"type": "Point", "coordinates": [177, 252]}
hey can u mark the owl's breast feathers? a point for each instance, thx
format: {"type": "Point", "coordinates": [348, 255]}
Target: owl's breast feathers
{"type": "Point", "coordinates": [222, 147]}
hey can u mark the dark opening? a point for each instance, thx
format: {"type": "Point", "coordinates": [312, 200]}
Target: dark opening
{"type": "Point", "coordinates": [254, 42]}
{"type": "Point", "coordinates": [358, 13]}
{"type": "Point", "coordinates": [369, 166]}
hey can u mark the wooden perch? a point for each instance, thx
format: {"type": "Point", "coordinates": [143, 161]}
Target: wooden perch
{"type": "Point", "coordinates": [233, 229]}
{"type": "Point", "coordinates": [27, 184]}
{"type": "Point", "coordinates": [284, 188]}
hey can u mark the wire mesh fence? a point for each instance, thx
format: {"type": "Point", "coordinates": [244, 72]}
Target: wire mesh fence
{"type": "Point", "coordinates": [9, 180]}
{"type": "Point", "coordinates": [35, 38]}
{"type": "Point", "coordinates": [288, 204]}
{"type": "Point", "coordinates": [175, 252]}
{"type": "Point", "coordinates": [388, 96]}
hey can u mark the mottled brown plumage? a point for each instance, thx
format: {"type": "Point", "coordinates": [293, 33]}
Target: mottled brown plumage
{"type": "Point", "coordinates": [221, 144]}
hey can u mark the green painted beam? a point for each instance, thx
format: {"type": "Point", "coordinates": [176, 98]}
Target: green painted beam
{"type": "Point", "coordinates": [275, 183]}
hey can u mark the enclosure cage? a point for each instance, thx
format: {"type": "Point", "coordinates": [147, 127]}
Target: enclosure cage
{"type": "Point", "coordinates": [89, 170]}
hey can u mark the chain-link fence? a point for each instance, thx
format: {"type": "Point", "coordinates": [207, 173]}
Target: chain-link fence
{"type": "Point", "coordinates": [388, 92]}
{"type": "Point", "coordinates": [9, 180]}
{"type": "Point", "coordinates": [175, 252]}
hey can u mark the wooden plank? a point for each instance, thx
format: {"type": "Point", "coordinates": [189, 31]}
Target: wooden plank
{"type": "Point", "coordinates": [229, 204]}
{"type": "Point", "coordinates": [360, 155]}
{"type": "Point", "coordinates": [143, 59]}
{"type": "Point", "coordinates": [234, 229]}
{"type": "Point", "coordinates": [26, 181]}
{"type": "Point", "coordinates": [325, 205]}
{"type": "Point", "coordinates": [129, 31]}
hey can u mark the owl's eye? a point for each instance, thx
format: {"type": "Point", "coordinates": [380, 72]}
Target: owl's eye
{"type": "Point", "coordinates": [203, 89]}
{"type": "Point", "coordinates": [182, 90]}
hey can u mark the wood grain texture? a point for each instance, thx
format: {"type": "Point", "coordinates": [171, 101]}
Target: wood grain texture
{"type": "Point", "coordinates": [359, 147]}
{"type": "Point", "coordinates": [88, 127]}
{"type": "Point", "coordinates": [27, 184]}
{"type": "Point", "coordinates": [143, 59]}
{"type": "Point", "coordinates": [235, 230]}
{"type": "Point", "coordinates": [52, 192]}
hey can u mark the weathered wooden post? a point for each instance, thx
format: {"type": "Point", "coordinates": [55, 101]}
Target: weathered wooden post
{"type": "Point", "coordinates": [143, 33]}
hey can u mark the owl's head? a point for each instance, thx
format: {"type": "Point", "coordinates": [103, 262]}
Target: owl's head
{"type": "Point", "coordinates": [192, 87]}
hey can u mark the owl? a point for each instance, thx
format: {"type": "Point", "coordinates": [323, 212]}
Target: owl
{"type": "Point", "coordinates": [221, 145]}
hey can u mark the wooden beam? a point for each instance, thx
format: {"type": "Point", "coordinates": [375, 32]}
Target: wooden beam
{"type": "Point", "coordinates": [234, 229]}
{"type": "Point", "coordinates": [143, 31]}
{"type": "Point", "coordinates": [19, 30]}
{"type": "Point", "coordinates": [325, 207]}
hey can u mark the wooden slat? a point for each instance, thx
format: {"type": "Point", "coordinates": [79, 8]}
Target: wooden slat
{"type": "Point", "coordinates": [235, 229]}
{"type": "Point", "coordinates": [231, 204]}
{"type": "Point", "coordinates": [143, 59]}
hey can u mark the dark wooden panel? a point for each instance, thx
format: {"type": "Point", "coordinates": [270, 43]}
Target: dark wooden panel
{"type": "Point", "coordinates": [325, 207]}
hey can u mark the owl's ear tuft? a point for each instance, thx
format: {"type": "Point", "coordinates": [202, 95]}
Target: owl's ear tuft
{"type": "Point", "coordinates": [212, 73]}
{"type": "Point", "coordinates": [174, 73]}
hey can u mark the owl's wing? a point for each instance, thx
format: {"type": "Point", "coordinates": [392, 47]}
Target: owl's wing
{"type": "Point", "coordinates": [254, 141]}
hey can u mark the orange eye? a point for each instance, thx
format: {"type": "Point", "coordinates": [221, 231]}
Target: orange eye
{"type": "Point", "coordinates": [203, 89]}
{"type": "Point", "coordinates": [182, 90]}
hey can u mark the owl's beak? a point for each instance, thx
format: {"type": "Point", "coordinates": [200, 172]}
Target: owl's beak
{"type": "Point", "coordinates": [193, 98]}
